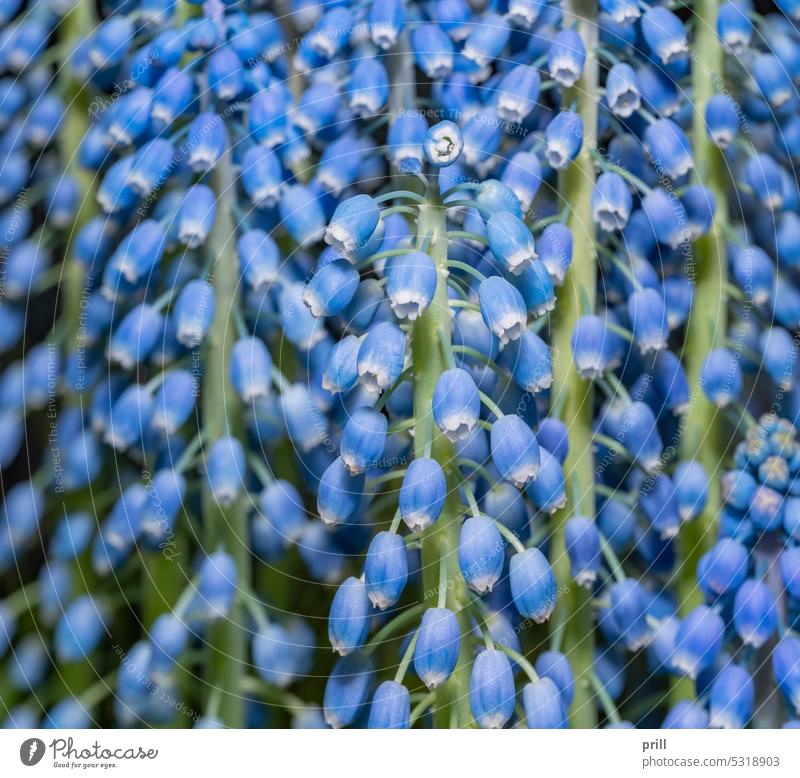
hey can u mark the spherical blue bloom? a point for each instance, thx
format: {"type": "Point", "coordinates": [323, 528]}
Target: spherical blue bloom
{"type": "Point", "coordinates": [193, 313]}
{"type": "Point", "coordinates": [259, 258]}
{"type": "Point", "coordinates": [670, 382]}
{"type": "Point", "coordinates": [533, 585]}
{"type": "Point", "coordinates": [137, 255]}
{"type": "Point", "coordinates": [723, 568]}
{"type": "Point", "coordinates": [422, 494]}
{"type": "Point", "coordinates": [433, 50]}
{"type": "Point", "coordinates": [340, 374]}
{"type": "Point", "coordinates": [331, 32]}
{"type": "Point", "coordinates": [206, 141]}
{"type": "Point", "coordinates": [544, 706]}
{"type": "Point", "coordinates": [700, 206]}
{"type": "Point", "coordinates": [347, 689]}
{"type": "Point", "coordinates": [510, 241]}
{"type": "Point", "coordinates": [522, 175]}
{"type": "Point", "coordinates": [772, 79]}
{"type": "Point", "coordinates": [732, 697]}
{"type": "Point", "coordinates": [152, 166]}
{"type": "Point", "coordinates": [174, 401]}
{"type": "Point", "coordinates": [779, 356]}
{"type": "Point", "coordinates": [195, 216]}
{"type": "Point", "coordinates": [171, 96]}
{"type": "Point", "coordinates": [691, 489]}
{"type": "Point", "coordinates": [129, 418]}
{"type": "Point", "coordinates": [552, 435]}
{"type": "Point", "coordinates": [438, 646]}
{"type": "Point", "coordinates": [515, 450]}
{"type": "Point", "coordinates": [495, 196]}
{"type": "Point", "coordinates": [363, 440]}
{"type": "Point", "coordinates": [274, 650]}
{"type": "Point", "coordinates": [667, 217]}
{"type": "Point", "coordinates": [722, 119]}
{"type": "Point", "coordinates": [698, 641]}
{"type": "Point", "coordinates": [261, 175]}
{"type": "Point", "coordinates": [721, 377]}
{"type": "Point", "coordinates": [638, 433]}
{"type": "Point", "coordinates": [669, 148]}
{"type": "Point", "coordinates": [686, 715]}
{"type": "Point", "coordinates": [305, 425]}
{"type": "Point", "coordinates": [566, 57]}
{"type": "Point", "coordinates": [754, 272]}
{"type": "Point", "coordinates": [165, 498]}
{"type": "Point", "coordinates": [226, 469]}
{"type": "Point", "coordinates": [563, 139]}
{"type": "Point", "coordinates": [352, 226]}
{"type": "Point", "coordinates": [591, 346]}
{"type": "Point", "coordinates": [665, 34]}
{"type": "Point", "coordinates": [79, 630]}
{"type": "Point", "coordinates": [547, 491]}
{"type": "Point", "coordinates": [338, 494]}
{"type": "Point", "coordinates": [765, 177]}
{"type": "Point", "coordinates": [251, 368]}
{"type": "Point", "coordinates": [411, 284]}
{"type": "Point", "coordinates": [217, 585]}
{"type": "Point", "coordinates": [386, 21]}
{"type": "Point", "coordinates": [136, 335]}
{"type": "Point", "coordinates": [629, 612]}
{"type": "Point", "coordinates": [555, 666]}
{"type": "Point", "coordinates": [381, 356]}
{"type": "Point", "coordinates": [282, 505]}
{"type": "Point", "coordinates": [332, 288]}
{"type": "Point", "coordinates": [481, 553]}
{"type": "Point", "coordinates": [369, 87]}
{"type": "Point", "coordinates": [168, 636]}
{"type": "Point", "coordinates": [390, 707]}
{"type": "Point", "coordinates": [386, 569]}
{"type": "Point", "coordinates": [502, 308]}
{"type": "Point", "coordinates": [622, 90]}
{"type": "Point", "coordinates": [530, 362]}
{"type": "Point", "coordinates": [517, 96]}
{"type": "Point", "coordinates": [225, 73]}
{"type": "Point", "coordinates": [583, 548]}
{"type": "Point", "coordinates": [350, 616]}
{"type": "Point", "coordinates": [456, 404]}
{"type": "Point", "coordinates": [317, 107]}
{"type": "Point", "coordinates": [68, 713]}
{"type": "Point", "coordinates": [536, 286]}
{"type": "Point", "coordinates": [611, 202]}
{"type": "Point", "coordinates": [443, 144]}
{"type": "Point", "coordinates": [734, 27]}
{"type": "Point", "coordinates": [491, 689]}
{"type": "Point", "coordinates": [483, 133]}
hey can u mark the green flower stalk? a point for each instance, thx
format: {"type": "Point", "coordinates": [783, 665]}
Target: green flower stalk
{"type": "Point", "coordinates": [431, 356]}
{"type": "Point", "coordinates": [573, 620]}
{"type": "Point", "coordinates": [224, 528]}
{"type": "Point", "coordinates": [707, 325]}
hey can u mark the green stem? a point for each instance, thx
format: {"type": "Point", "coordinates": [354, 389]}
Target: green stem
{"type": "Point", "coordinates": [225, 528]}
{"type": "Point", "coordinates": [706, 327]}
{"type": "Point", "coordinates": [441, 540]}
{"type": "Point", "coordinates": [573, 616]}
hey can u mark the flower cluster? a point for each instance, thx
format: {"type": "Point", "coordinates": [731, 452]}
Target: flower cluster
{"type": "Point", "coordinates": [408, 364]}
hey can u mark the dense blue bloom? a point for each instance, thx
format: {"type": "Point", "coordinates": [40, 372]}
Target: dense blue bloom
{"type": "Point", "coordinates": [411, 284]}
{"type": "Point", "coordinates": [347, 689]}
{"type": "Point", "coordinates": [732, 697]}
{"type": "Point", "coordinates": [491, 689]}
{"type": "Point", "coordinates": [533, 585]}
{"type": "Point", "coordinates": [698, 641]}
{"type": "Point", "coordinates": [481, 553]}
{"type": "Point", "coordinates": [423, 493]}
{"type": "Point", "coordinates": [217, 585]}
{"type": "Point", "coordinates": [566, 57]}
{"type": "Point", "coordinates": [386, 569]}
{"type": "Point", "coordinates": [79, 630]}
{"type": "Point", "coordinates": [381, 356]}
{"type": "Point", "coordinates": [664, 33]}
{"type": "Point", "coordinates": [456, 404]}
{"type": "Point", "coordinates": [363, 440]}
{"type": "Point", "coordinates": [349, 619]}
{"type": "Point", "coordinates": [338, 494]}
{"type": "Point", "coordinates": [529, 360]}
{"type": "Point", "coordinates": [583, 548]}
{"type": "Point", "coordinates": [390, 707]}
{"type": "Point", "coordinates": [544, 705]}
{"type": "Point", "coordinates": [547, 491]}
{"type": "Point", "coordinates": [611, 202]}
{"type": "Point", "coordinates": [555, 666]}
{"type": "Point", "coordinates": [515, 450]}
{"type": "Point", "coordinates": [629, 612]}
{"type": "Point", "coordinates": [686, 715]}
{"type": "Point", "coordinates": [438, 646]}
{"type": "Point", "coordinates": [563, 138]}
{"type": "Point", "coordinates": [226, 469]}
